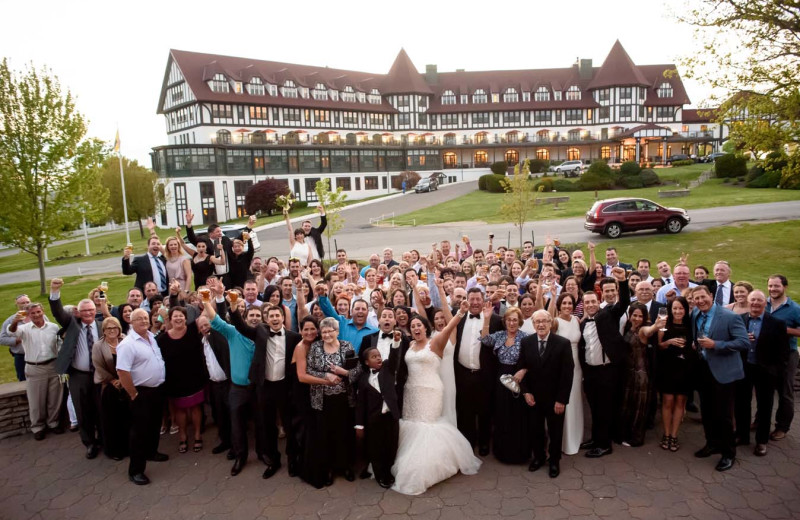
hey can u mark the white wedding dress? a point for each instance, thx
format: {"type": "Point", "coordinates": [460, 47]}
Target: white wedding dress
{"type": "Point", "coordinates": [573, 415]}
{"type": "Point", "coordinates": [448, 374]}
{"type": "Point", "coordinates": [430, 448]}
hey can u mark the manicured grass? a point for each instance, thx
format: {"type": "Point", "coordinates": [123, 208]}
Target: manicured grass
{"type": "Point", "coordinates": [484, 206]}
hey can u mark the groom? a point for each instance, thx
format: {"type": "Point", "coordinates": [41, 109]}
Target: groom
{"type": "Point", "coordinates": [475, 371]}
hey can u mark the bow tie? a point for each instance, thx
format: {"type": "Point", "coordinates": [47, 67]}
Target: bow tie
{"type": "Point", "coordinates": [385, 335]}
{"type": "Point", "coordinates": [271, 333]}
{"type": "Point", "coordinates": [373, 371]}
{"type": "Point", "coordinates": [474, 315]}
{"type": "Point", "coordinates": [589, 319]}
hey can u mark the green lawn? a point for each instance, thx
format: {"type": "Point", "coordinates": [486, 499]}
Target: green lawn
{"type": "Point", "coordinates": [484, 206]}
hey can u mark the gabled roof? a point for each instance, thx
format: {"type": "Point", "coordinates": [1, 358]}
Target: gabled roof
{"type": "Point", "coordinates": [655, 74]}
{"type": "Point", "coordinates": [618, 70]}
{"type": "Point", "coordinates": [403, 78]}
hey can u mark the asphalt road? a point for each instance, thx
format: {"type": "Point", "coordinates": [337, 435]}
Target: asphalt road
{"type": "Point", "coordinates": [360, 239]}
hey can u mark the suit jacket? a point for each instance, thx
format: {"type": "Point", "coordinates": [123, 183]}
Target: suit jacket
{"type": "Point", "coordinates": [772, 345]}
{"type": "Point", "coordinates": [730, 337]}
{"type": "Point", "coordinates": [607, 322]}
{"type": "Point", "coordinates": [711, 283]}
{"type": "Point", "coordinates": [260, 335]}
{"type": "Point", "coordinates": [549, 376]}
{"type": "Point", "coordinates": [219, 345]}
{"type": "Point", "coordinates": [316, 234]}
{"type": "Point", "coordinates": [487, 357]}
{"type": "Point", "coordinates": [72, 328]}
{"type": "Point", "coordinates": [369, 401]}
{"type": "Point", "coordinates": [401, 369]}
{"type": "Point", "coordinates": [140, 266]}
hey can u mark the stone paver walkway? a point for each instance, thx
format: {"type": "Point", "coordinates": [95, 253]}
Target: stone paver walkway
{"type": "Point", "coordinates": [53, 480]}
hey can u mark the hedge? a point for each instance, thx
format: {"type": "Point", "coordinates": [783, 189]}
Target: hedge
{"type": "Point", "coordinates": [685, 162]}
{"type": "Point", "coordinates": [564, 185]}
{"type": "Point", "coordinates": [649, 177]}
{"type": "Point", "coordinates": [499, 168]}
{"type": "Point", "coordinates": [730, 166]}
{"type": "Point", "coordinates": [547, 183]}
{"type": "Point", "coordinates": [538, 165]}
{"type": "Point", "coordinates": [767, 180]}
{"type": "Point", "coordinates": [630, 168]}
{"type": "Point", "coordinates": [491, 183]}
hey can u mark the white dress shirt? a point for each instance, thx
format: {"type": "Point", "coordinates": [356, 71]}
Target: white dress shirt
{"type": "Point", "coordinates": [384, 345]}
{"type": "Point", "coordinates": [276, 357]}
{"type": "Point", "coordinates": [469, 355]}
{"type": "Point", "coordinates": [374, 383]}
{"type": "Point", "coordinates": [594, 350]}
{"type": "Point", "coordinates": [215, 372]}
{"type": "Point", "coordinates": [156, 273]}
{"type": "Point", "coordinates": [661, 296]}
{"type": "Point", "coordinates": [727, 287]}
{"type": "Point", "coordinates": [82, 359]}
{"type": "Point", "coordinates": [141, 356]}
{"type": "Point", "coordinates": [40, 343]}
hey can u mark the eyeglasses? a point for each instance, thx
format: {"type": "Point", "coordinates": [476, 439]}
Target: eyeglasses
{"type": "Point", "coordinates": [112, 328]}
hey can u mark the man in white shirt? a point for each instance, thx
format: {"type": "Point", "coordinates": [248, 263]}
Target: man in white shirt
{"type": "Point", "coordinates": [43, 386]}
{"type": "Point", "coordinates": [680, 283]}
{"type": "Point", "coordinates": [142, 372]}
{"type": "Point", "coordinates": [664, 272]}
{"type": "Point", "coordinates": [721, 286]}
{"type": "Point", "coordinates": [218, 364]}
{"type": "Point", "coordinates": [643, 266]}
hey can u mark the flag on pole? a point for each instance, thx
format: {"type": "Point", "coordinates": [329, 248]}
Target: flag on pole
{"type": "Point", "coordinates": [116, 143]}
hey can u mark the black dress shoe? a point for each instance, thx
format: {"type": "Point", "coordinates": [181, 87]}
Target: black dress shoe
{"type": "Point", "coordinates": [535, 464]}
{"type": "Point", "coordinates": [58, 430]}
{"type": "Point", "coordinates": [725, 463]}
{"type": "Point", "coordinates": [114, 457]}
{"type": "Point", "coordinates": [384, 484]}
{"type": "Point", "coordinates": [158, 457]}
{"type": "Point", "coordinates": [483, 451]}
{"type": "Point", "coordinates": [271, 470]}
{"type": "Point", "coordinates": [92, 451]}
{"type": "Point", "coordinates": [705, 451]}
{"type": "Point", "coordinates": [230, 455]}
{"type": "Point", "coordinates": [364, 475]}
{"type": "Point", "coordinates": [73, 429]}
{"type": "Point", "coordinates": [140, 479]}
{"type": "Point", "coordinates": [293, 471]}
{"type": "Point", "coordinates": [39, 436]}
{"type": "Point", "coordinates": [237, 467]}
{"type": "Point", "coordinates": [348, 475]}
{"type": "Point", "coordinates": [596, 453]}
{"type": "Point", "coordinates": [554, 469]}
{"type": "Point", "coordinates": [219, 448]}
{"type": "Point", "coordinates": [588, 445]}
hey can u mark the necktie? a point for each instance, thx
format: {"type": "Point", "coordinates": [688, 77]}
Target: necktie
{"type": "Point", "coordinates": [386, 335]}
{"type": "Point", "coordinates": [701, 327]}
{"type": "Point", "coordinates": [89, 343]}
{"type": "Point", "coordinates": [669, 281]}
{"type": "Point", "coordinates": [718, 296]}
{"type": "Point", "coordinates": [162, 274]}
{"type": "Point", "coordinates": [471, 316]}
{"type": "Point", "coordinates": [542, 345]}
{"type": "Point", "coordinates": [271, 333]}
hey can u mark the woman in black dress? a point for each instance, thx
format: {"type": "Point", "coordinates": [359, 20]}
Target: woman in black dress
{"type": "Point", "coordinates": [203, 263]}
{"type": "Point", "coordinates": [239, 262]}
{"type": "Point", "coordinates": [675, 364]}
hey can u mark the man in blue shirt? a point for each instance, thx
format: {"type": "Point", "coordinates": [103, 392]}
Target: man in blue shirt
{"type": "Point", "coordinates": [783, 308]}
{"type": "Point", "coordinates": [352, 330]}
{"type": "Point", "coordinates": [289, 300]}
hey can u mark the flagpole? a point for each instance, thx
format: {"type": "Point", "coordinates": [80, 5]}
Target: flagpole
{"type": "Point", "coordinates": [122, 183]}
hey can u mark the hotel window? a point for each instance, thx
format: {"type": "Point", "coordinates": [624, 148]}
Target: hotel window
{"type": "Point", "coordinates": [464, 99]}
{"type": "Point", "coordinates": [542, 94]}
{"type": "Point", "coordinates": [370, 183]}
{"type": "Point", "coordinates": [526, 96]}
{"type": "Point", "coordinates": [573, 154]}
{"type": "Point", "coordinates": [542, 117]}
{"type": "Point", "coordinates": [237, 87]}
{"type": "Point", "coordinates": [240, 191]}
{"type": "Point", "coordinates": [403, 101]}
{"type": "Point", "coordinates": [344, 183]}
{"type": "Point", "coordinates": [291, 115]}
{"type": "Point", "coordinates": [556, 95]}
{"type": "Point", "coordinates": [259, 115]}
{"type": "Point", "coordinates": [480, 118]}
{"type": "Point", "coordinates": [374, 97]}
{"type": "Point", "coordinates": [481, 158]}
{"type": "Point", "coordinates": [221, 111]}
{"type": "Point", "coordinates": [304, 92]}
{"type": "Point", "coordinates": [223, 137]}
{"type": "Point", "coordinates": [543, 154]}
{"type": "Point", "coordinates": [449, 120]}
{"type": "Point", "coordinates": [625, 93]}
{"type": "Point", "coordinates": [479, 96]}
{"type": "Point", "coordinates": [574, 135]}
{"type": "Point", "coordinates": [625, 112]}
{"type": "Point", "coordinates": [272, 90]}
{"type": "Point", "coordinates": [219, 83]}
{"type": "Point", "coordinates": [208, 202]}
{"type": "Point", "coordinates": [350, 118]}
{"type": "Point", "coordinates": [495, 98]}
{"type": "Point", "coordinates": [664, 90]}
{"type": "Point", "coordinates": [289, 89]}
{"type": "Point", "coordinates": [573, 93]}
{"type": "Point", "coordinates": [320, 93]}
{"type": "Point", "coordinates": [603, 95]}
{"type": "Point", "coordinates": [605, 152]}
{"type": "Point", "coordinates": [448, 97]}
{"type": "Point", "coordinates": [603, 113]}
{"type": "Point", "coordinates": [665, 113]}
{"type": "Point", "coordinates": [573, 115]}
{"type": "Point", "coordinates": [334, 95]}
{"type": "Point", "coordinates": [510, 96]}
{"type": "Point", "coordinates": [348, 94]}
{"type": "Point", "coordinates": [255, 87]}
{"type": "Point", "coordinates": [181, 204]}
{"type": "Point", "coordinates": [511, 118]}
{"type": "Point", "coordinates": [422, 119]}
{"type": "Point", "coordinates": [377, 120]}
{"type": "Point", "coordinates": [322, 116]}
{"type": "Point", "coordinates": [403, 119]}
{"type": "Point", "coordinates": [512, 157]}
{"type": "Point", "coordinates": [362, 97]}
{"type": "Point", "coordinates": [422, 101]}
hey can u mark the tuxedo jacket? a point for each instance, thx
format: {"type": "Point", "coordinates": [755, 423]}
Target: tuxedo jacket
{"type": "Point", "coordinates": [316, 234]}
{"type": "Point", "coordinates": [401, 369]}
{"type": "Point", "coordinates": [70, 328]}
{"type": "Point", "coordinates": [369, 402]}
{"type": "Point", "coordinates": [140, 266]}
{"type": "Point", "coordinates": [711, 283]}
{"type": "Point", "coordinates": [730, 336]}
{"type": "Point", "coordinates": [487, 357]}
{"type": "Point", "coordinates": [259, 336]}
{"type": "Point", "coordinates": [549, 376]}
{"type": "Point", "coordinates": [772, 345]}
{"type": "Point", "coordinates": [607, 322]}
{"type": "Point", "coordinates": [219, 345]}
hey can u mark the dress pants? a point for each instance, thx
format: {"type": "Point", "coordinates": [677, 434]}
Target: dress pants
{"type": "Point", "coordinates": [272, 398]}
{"type": "Point", "coordinates": [218, 394]}
{"type": "Point", "coordinates": [541, 413]}
{"type": "Point", "coordinates": [85, 397]}
{"type": "Point", "coordinates": [381, 439]}
{"type": "Point", "coordinates": [473, 413]}
{"type": "Point", "coordinates": [765, 381]}
{"type": "Point", "coordinates": [241, 400]}
{"type": "Point", "coordinates": [145, 426]}
{"type": "Point", "coordinates": [716, 409]}
{"type": "Point", "coordinates": [45, 393]}
{"type": "Point", "coordinates": [785, 413]}
{"type": "Point", "coordinates": [601, 384]}
{"type": "Point", "coordinates": [19, 366]}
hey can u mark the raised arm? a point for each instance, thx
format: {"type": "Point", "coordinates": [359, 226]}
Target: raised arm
{"type": "Point", "coordinates": [438, 343]}
{"type": "Point", "coordinates": [244, 329]}
{"type": "Point", "coordinates": [592, 257]}
{"type": "Point", "coordinates": [56, 307]}
{"type": "Point", "coordinates": [189, 229]}
{"type": "Point", "coordinates": [289, 228]}
{"type": "Point", "coordinates": [323, 220]}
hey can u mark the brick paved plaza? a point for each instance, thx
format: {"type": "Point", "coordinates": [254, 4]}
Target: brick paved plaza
{"type": "Point", "coordinates": [52, 480]}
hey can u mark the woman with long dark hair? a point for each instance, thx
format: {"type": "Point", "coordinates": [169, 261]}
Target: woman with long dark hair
{"type": "Point", "coordinates": [676, 361]}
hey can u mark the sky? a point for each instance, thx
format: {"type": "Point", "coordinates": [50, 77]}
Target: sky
{"type": "Point", "coordinates": [113, 55]}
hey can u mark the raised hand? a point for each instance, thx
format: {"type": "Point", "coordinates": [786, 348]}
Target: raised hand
{"type": "Point", "coordinates": [151, 225]}
{"type": "Point", "coordinates": [189, 217]}
{"type": "Point", "coordinates": [618, 273]}
{"type": "Point", "coordinates": [56, 284]}
{"type": "Point", "coordinates": [251, 221]}
{"type": "Point", "coordinates": [488, 309]}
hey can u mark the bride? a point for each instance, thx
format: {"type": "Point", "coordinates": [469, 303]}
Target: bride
{"type": "Point", "coordinates": [430, 448]}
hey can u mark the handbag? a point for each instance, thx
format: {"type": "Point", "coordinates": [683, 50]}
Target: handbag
{"type": "Point", "coordinates": [507, 380]}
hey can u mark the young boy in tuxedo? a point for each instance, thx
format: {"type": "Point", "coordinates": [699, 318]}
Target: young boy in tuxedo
{"type": "Point", "coordinates": [377, 412]}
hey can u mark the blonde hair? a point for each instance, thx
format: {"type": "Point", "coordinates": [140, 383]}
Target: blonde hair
{"type": "Point", "coordinates": [108, 322]}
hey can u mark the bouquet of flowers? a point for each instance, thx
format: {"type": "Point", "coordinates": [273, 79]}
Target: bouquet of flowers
{"type": "Point", "coordinates": [285, 202]}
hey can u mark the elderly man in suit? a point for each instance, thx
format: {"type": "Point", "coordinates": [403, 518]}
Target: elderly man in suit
{"type": "Point", "coordinates": [764, 365]}
{"type": "Point", "coordinates": [721, 286]}
{"type": "Point", "coordinates": [149, 267]}
{"type": "Point", "coordinates": [720, 337]}
{"type": "Point", "coordinates": [75, 359]}
{"type": "Point", "coordinates": [547, 365]}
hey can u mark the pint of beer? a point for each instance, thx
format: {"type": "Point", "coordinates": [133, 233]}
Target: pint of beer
{"type": "Point", "coordinates": [205, 293]}
{"type": "Point", "coordinates": [234, 296]}
{"type": "Point", "coordinates": [104, 286]}
{"type": "Point", "coordinates": [245, 236]}
{"type": "Point", "coordinates": [23, 313]}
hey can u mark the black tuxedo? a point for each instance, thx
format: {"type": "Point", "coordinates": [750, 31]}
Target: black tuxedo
{"type": "Point", "coordinates": [400, 370]}
{"type": "Point", "coordinates": [272, 397]}
{"type": "Point", "coordinates": [711, 283]}
{"type": "Point", "coordinates": [766, 374]}
{"type": "Point", "coordinates": [603, 384]}
{"type": "Point", "coordinates": [140, 266]}
{"type": "Point", "coordinates": [219, 391]}
{"type": "Point", "coordinates": [549, 380]}
{"type": "Point", "coordinates": [652, 365]}
{"type": "Point", "coordinates": [381, 429]}
{"type": "Point", "coordinates": [316, 234]}
{"type": "Point", "coordinates": [474, 388]}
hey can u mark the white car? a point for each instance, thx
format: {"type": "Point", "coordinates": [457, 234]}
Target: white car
{"type": "Point", "coordinates": [233, 231]}
{"type": "Point", "coordinates": [569, 168]}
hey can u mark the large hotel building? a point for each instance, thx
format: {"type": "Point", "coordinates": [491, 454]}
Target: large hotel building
{"type": "Point", "coordinates": [235, 121]}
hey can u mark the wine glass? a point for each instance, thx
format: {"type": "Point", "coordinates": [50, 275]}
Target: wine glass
{"type": "Point", "coordinates": [662, 313]}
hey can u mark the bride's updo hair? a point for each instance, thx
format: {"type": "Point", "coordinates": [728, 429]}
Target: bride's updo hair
{"type": "Point", "coordinates": [424, 321]}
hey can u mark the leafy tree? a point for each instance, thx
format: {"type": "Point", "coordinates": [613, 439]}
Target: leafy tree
{"type": "Point", "coordinates": [759, 123]}
{"type": "Point", "coordinates": [519, 198]}
{"type": "Point", "coordinates": [333, 202]}
{"type": "Point", "coordinates": [143, 192]}
{"type": "Point", "coordinates": [262, 195]}
{"type": "Point", "coordinates": [411, 178]}
{"type": "Point", "coordinates": [48, 170]}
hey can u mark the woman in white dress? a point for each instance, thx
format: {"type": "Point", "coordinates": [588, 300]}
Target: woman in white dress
{"type": "Point", "coordinates": [430, 449]}
{"type": "Point", "coordinates": [300, 248]}
{"type": "Point", "coordinates": [568, 326]}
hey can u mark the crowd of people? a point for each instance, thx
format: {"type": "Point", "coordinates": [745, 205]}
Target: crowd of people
{"type": "Point", "coordinates": [410, 369]}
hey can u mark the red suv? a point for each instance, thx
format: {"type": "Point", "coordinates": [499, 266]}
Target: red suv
{"type": "Point", "coordinates": [612, 217]}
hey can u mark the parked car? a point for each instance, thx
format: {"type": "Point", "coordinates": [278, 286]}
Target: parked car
{"type": "Point", "coordinates": [713, 157]}
{"type": "Point", "coordinates": [426, 184]}
{"type": "Point", "coordinates": [679, 157]}
{"type": "Point", "coordinates": [569, 168]}
{"type": "Point", "coordinates": [612, 217]}
{"type": "Point", "coordinates": [233, 231]}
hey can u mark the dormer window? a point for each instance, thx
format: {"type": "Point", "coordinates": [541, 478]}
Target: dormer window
{"type": "Point", "coordinates": [542, 94]}
{"type": "Point", "coordinates": [556, 95]}
{"type": "Point", "coordinates": [479, 96]}
{"type": "Point", "coordinates": [237, 87]}
{"type": "Point", "coordinates": [375, 96]}
{"type": "Point", "coordinates": [448, 97]}
{"type": "Point", "coordinates": [510, 95]}
{"type": "Point", "coordinates": [573, 93]}
{"type": "Point", "coordinates": [304, 92]}
{"type": "Point", "coordinates": [348, 94]}
{"type": "Point", "coordinates": [219, 83]}
{"type": "Point", "coordinates": [664, 90]}
{"type": "Point", "coordinates": [320, 93]}
{"type": "Point", "coordinates": [272, 89]}
{"type": "Point", "coordinates": [289, 89]}
{"type": "Point", "coordinates": [526, 96]}
{"type": "Point", "coordinates": [495, 97]}
{"type": "Point", "coordinates": [255, 87]}
{"type": "Point", "coordinates": [334, 95]}
{"type": "Point", "coordinates": [362, 97]}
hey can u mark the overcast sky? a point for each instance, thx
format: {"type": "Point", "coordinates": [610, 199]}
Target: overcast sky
{"type": "Point", "coordinates": [113, 55]}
